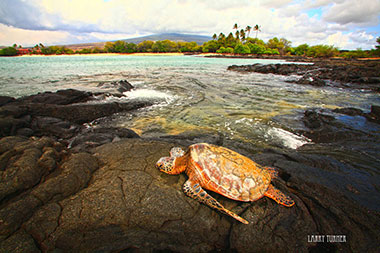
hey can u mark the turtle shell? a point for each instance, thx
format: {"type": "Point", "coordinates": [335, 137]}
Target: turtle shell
{"type": "Point", "coordinates": [227, 172]}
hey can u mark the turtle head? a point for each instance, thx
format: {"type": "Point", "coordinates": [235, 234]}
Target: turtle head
{"type": "Point", "coordinates": [168, 164]}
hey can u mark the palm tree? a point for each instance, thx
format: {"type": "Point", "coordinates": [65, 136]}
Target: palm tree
{"type": "Point", "coordinates": [214, 36]}
{"type": "Point", "coordinates": [221, 38]}
{"type": "Point", "coordinates": [230, 40]}
{"type": "Point", "coordinates": [248, 29]}
{"type": "Point", "coordinates": [242, 35]}
{"type": "Point", "coordinates": [257, 29]}
{"type": "Point", "coordinates": [237, 33]}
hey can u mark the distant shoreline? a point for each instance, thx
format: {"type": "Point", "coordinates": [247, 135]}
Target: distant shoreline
{"type": "Point", "coordinates": [210, 55]}
{"type": "Point", "coordinates": [103, 54]}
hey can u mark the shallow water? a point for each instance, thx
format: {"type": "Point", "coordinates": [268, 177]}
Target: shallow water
{"type": "Point", "coordinates": [193, 94]}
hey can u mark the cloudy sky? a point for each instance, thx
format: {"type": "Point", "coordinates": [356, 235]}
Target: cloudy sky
{"type": "Point", "coordinates": [347, 24]}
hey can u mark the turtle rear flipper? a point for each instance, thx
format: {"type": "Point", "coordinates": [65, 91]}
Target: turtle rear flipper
{"type": "Point", "coordinates": [195, 191]}
{"type": "Point", "coordinates": [278, 196]}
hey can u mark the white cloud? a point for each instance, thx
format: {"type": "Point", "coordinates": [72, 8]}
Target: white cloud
{"type": "Point", "coordinates": [10, 35]}
{"type": "Point", "coordinates": [354, 12]}
{"type": "Point", "coordinates": [311, 4]}
{"type": "Point", "coordinates": [338, 40]}
{"type": "Point", "coordinates": [119, 19]}
{"type": "Point", "coordinates": [361, 39]}
{"type": "Point", "coordinates": [275, 3]}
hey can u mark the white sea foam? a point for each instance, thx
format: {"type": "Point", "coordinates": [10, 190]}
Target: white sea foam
{"type": "Point", "coordinates": [245, 121]}
{"type": "Point", "coordinates": [287, 139]}
{"type": "Point", "coordinates": [137, 83]}
{"type": "Point", "coordinates": [149, 94]}
{"type": "Point", "coordinates": [143, 94]}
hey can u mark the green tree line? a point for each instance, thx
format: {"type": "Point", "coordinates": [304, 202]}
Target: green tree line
{"type": "Point", "coordinates": [238, 43]}
{"type": "Point", "coordinates": [8, 51]}
{"type": "Point", "coordinates": [161, 46]}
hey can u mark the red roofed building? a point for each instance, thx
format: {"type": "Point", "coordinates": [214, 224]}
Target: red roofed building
{"type": "Point", "coordinates": [21, 51]}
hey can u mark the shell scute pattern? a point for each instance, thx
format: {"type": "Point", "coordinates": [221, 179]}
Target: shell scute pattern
{"type": "Point", "coordinates": [229, 173]}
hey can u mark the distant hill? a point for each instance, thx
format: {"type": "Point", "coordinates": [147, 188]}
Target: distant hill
{"type": "Point", "coordinates": [200, 39]}
{"type": "Point", "coordinates": [85, 45]}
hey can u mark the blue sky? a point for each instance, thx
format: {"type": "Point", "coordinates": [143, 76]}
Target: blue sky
{"type": "Point", "coordinates": [347, 24]}
{"type": "Point", "coordinates": [315, 13]}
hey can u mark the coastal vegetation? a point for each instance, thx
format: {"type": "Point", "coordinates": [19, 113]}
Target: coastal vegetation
{"type": "Point", "coordinates": [238, 42]}
{"type": "Point", "coordinates": [8, 51]}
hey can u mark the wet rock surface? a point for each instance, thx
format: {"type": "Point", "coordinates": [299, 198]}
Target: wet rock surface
{"type": "Point", "coordinates": [115, 199]}
{"type": "Point", "coordinates": [93, 137]}
{"type": "Point", "coordinates": [72, 187]}
{"type": "Point", "coordinates": [329, 126]}
{"type": "Point", "coordinates": [120, 86]}
{"type": "Point", "coordinates": [343, 151]}
{"type": "Point", "coordinates": [5, 100]}
{"type": "Point", "coordinates": [61, 97]}
{"type": "Point", "coordinates": [61, 115]}
{"type": "Point", "coordinates": [339, 73]}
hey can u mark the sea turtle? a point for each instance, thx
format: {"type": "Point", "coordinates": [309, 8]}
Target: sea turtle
{"type": "Point", "coordinates": [223, 171]}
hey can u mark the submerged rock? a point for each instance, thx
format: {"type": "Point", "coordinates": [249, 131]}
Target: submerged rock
{"type": "Point", "coordinates": [121, 86]}
{"type": "Point", "coordinates": [375, 113]}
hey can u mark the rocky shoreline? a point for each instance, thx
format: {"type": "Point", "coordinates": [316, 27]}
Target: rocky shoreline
{"type": "Point", "coordinates": [66, 186]}
{"type": "Point", "coordinates": [354, 74]}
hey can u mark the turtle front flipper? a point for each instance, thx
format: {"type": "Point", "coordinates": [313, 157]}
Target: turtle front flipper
{"type": "Point", "coordinates": [195, 191]}
{"type": "Point", "coordinates": [278, 196]}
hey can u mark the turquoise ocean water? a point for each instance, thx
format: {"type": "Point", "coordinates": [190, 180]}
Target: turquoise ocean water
{"type": "Point", "coordinates": [20, 76]}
